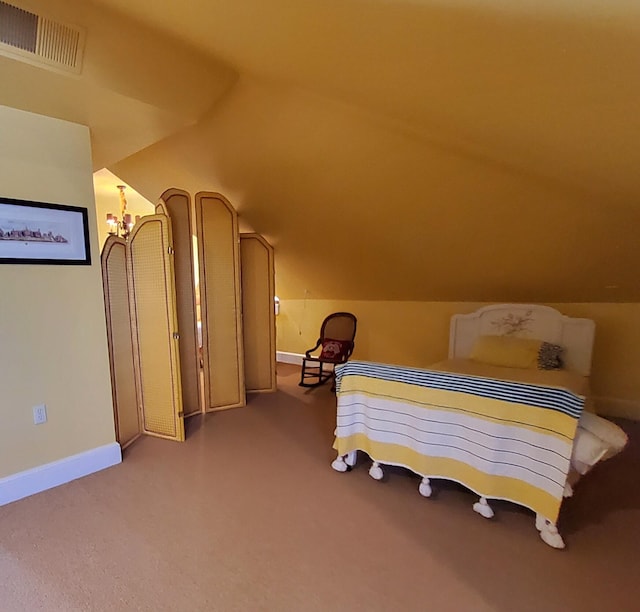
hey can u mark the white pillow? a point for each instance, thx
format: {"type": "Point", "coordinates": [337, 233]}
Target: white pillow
{"type": "Point", "coordinates": [588, 449]}
{"type": "Point", "coordinates": [613, 436]}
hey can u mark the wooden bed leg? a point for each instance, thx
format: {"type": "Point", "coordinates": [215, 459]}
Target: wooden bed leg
{"type": "Point", "coordinates": [549, 532]}
{"type": "Point", "coordinates": [351, 458]}
{"type": "Point", "coordinates": [425, 488]}
{"type": "Point", "coordinates": [339, 464]}
{"type": "Point", "coordinates": [375, 471]}
{"type": "Point", "coordinates": [483, 508]}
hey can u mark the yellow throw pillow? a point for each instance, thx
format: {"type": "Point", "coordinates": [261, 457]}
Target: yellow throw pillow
{"type": "Point", "coordinates": [507, 351]}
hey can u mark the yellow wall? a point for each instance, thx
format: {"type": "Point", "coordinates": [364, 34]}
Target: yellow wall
{"type": "Point", "coordinates": [360, 210]}
{"type": "Point", "coordinates": [356, 208]}
{"type": "Point", "coordinates": [53, 346]}
{"type": "Point", "coordinates": [417, 334]}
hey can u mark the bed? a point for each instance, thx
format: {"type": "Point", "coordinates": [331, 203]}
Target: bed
{"type": "Point", "coordinates": [508, 414]}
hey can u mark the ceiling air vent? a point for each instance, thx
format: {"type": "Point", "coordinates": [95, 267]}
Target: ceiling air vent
{"type": "Point", "coordinates": [40, 41]}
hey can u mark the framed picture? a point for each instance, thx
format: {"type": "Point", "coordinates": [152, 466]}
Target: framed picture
{"type": "Point", "coordinates": [39, 233]}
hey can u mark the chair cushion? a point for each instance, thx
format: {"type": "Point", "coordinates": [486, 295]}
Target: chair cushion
{"type": "Point", "coordinates": [335, 350]}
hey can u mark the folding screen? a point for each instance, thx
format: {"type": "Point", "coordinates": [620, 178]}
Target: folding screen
{"type": "Point", "coordinates": [176, 204]}
{"type": "Point", "coordinates": [220, 302]}
{"type": "Point", "coordinates": [258, 316]}
{"type": "Point", "coordinates": [120, 341]}
{"type": "Point", "coordinates": [155, 324]}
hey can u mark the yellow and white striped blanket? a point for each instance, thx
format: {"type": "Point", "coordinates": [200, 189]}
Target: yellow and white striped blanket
{"type": "Point", "coordinates": [502, 439]}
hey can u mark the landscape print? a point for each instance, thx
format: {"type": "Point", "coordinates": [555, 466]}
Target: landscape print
{"type": "Point", "coordinates": [40, 233]}
{"type": "Point", "coordinates": [22, 232]}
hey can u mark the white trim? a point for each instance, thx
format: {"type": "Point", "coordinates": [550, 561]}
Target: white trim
{"type": "Point", "coordinates": [59, 472]}
{"type": "Point", "coordinates": [284, 357]}
{"type": "Point", "coordinates": [612, 406]}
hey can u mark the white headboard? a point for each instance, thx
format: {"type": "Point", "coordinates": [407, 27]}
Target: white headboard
{"type": "Point", "coordinates": [526, 321]}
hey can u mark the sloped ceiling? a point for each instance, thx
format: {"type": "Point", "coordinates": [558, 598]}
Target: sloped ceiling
{"type": "Point", "coordinates": [416, 150]}
{"type": "Point", "coordinates": [123, 93]}
{"type": "Point", "coordinates": [545, 85]}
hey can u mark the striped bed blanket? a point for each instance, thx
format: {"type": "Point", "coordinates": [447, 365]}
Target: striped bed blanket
{"type": "Point", "coordinates": [502, 439]}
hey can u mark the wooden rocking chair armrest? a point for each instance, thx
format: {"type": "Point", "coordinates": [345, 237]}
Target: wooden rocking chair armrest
{"type": "Point", "coordinates": [317, 346]}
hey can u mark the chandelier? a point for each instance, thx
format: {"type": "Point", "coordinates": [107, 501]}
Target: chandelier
{"type": "Point", "coordinates": [121, 226]}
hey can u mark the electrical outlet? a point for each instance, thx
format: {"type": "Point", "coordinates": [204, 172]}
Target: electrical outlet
{"type": "Point", "coordinates": [39, 414]}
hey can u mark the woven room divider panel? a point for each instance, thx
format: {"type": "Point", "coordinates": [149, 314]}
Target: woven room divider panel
{"type": "Point", "coordinates": [258, 316]}
{"type": "Point", "coordinates": [176, 204]}
{"type": "Point", "coordinates": [220, 301]}
{"type": "Point", "coordinates": [152, 293]}
{"type": "Point", "coordinates": [120, 341]}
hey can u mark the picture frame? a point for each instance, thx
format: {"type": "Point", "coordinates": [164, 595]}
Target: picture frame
{"type": "Point", "coordinates": [41, 233]}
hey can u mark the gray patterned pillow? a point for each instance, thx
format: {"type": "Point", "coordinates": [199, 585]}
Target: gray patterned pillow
{"type": "Point", "coordinates": [549, 356]}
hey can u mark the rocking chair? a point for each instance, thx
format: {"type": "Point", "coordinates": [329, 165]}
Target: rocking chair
{"type": "Point", "coordinates": [336, 339]}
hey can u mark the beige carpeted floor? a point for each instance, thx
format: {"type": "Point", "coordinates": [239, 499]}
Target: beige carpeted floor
{"type": "Point", "coordinates": [248, 515]}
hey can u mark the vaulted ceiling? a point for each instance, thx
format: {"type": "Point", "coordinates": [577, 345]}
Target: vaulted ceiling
{"type": "Point", "coordinates": [408, 149]}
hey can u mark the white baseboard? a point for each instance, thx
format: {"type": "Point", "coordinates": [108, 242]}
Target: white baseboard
{"type": "Point", "coordinates": [284, 357]}
{"type": "Point", "coordinates": [53, 474]}
{"type": "Point", "coordinates": [623, 408]}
